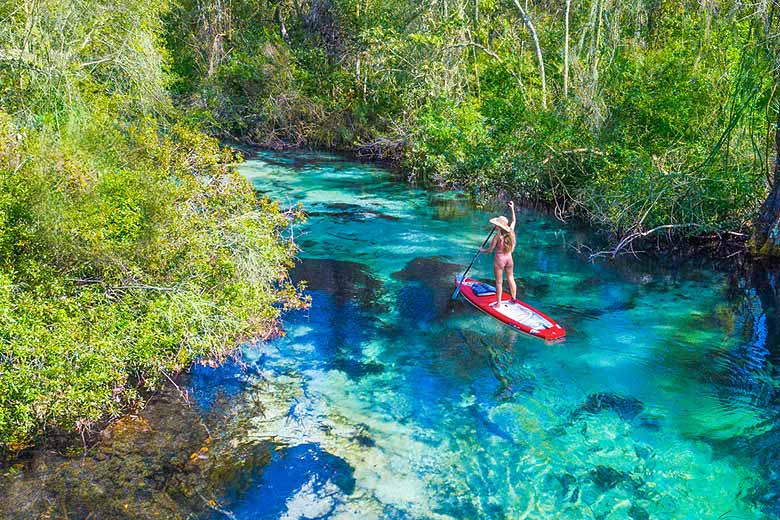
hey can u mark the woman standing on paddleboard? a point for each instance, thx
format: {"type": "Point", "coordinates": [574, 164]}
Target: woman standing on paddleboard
{"type": "Point", "coordinates": [504, 244]}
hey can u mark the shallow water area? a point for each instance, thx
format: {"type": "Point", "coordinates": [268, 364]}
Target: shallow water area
{"type": "Point", "coordinates": [387, 400]}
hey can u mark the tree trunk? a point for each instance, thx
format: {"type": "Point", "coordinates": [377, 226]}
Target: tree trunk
{"type": "Point", "coordinates": [766, 239]}
{"type": "Point", "coordinates": [537, 48]}
{"type": "Point", "coordinates": [214, 25]}
{"type": "Point", "coordinates": [566, 51]}
{"type": "Point", "coordinates": [764, 281]}
{"type": "Point", "coordinates": [596, 43]}
{"type": "Point", "coordinates": [280, 21]}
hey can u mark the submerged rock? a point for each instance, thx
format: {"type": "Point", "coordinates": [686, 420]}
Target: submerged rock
{"type": "Point", "coordinates": [563, 488]}
{"type": "Point", "coordinates": [627, 408]}
{"type": "Point", "coordinates": [351, 212]}
{"type": "Point", "coordinates": [167, 462]}
{"type": "Point", "coordinates": [342, 279]}
{"type": "Point", "coordinates": [430, 270]}
{"type": "Point", "coordinates": [607, 478]}
{"type": "Point", "coordinates": [638, 513]}
{"type": "Point", "coordinates": [621, 306]}
{"type": "Point", "coordinates": [356, 369]}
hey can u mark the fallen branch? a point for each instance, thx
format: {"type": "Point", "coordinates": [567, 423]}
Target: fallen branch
{"type": "Point", "coordinates": [84, 281]}
{"type": "Point", "coordinates": [627, 241]}
{"type": "Point", "coordinates": [212, 504]}
{"type": "Point", "coordinates": [380, 148]}
{"type": "Point", "coordinates": [182, 393]}
{"type": "Point", "coordinates": [478, 46]}
{"type": "Point", "coordinates": [492, 54]}
{"type": "Point", "coordinates": [142, 287]}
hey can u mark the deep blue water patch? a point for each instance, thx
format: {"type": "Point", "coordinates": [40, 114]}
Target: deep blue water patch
{"type": "Point", "coordinates": [417, 306]}
{"type": "Point", "coordinates": [337, 329]}
{"type": "Point", "coordinates": [306, 469]}
{"type": "Point", "coordinates": [626, 407]}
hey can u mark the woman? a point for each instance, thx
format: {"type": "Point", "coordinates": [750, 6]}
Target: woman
{"type": "Point", "coordinates": [504, 243]}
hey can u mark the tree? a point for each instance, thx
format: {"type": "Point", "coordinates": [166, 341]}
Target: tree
{"type": "Point", "coordinates": [766, 232]}
{"type": "Point", "coordinates": [537, 48]}
{"type": "Point", "coordinates": [566, 50]}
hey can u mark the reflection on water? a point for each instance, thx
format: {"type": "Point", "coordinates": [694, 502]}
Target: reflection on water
{"type": "Point", "coordinates": [391, 401]}
{"type": "Point", "coordinates": [387, 400]}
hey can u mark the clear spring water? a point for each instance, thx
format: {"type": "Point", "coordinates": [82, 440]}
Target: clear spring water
{"type": "Point", "coordinates": [385, 400]}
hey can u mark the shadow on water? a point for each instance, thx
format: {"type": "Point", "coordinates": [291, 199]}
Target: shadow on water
{"type": "Point", "coordinates": [748, 375]}
{"type": "Point", "coordinates": [433, 271]}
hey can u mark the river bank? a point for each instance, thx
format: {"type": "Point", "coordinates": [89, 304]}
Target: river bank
{"type": "Point", "coordinates": [170, 460]}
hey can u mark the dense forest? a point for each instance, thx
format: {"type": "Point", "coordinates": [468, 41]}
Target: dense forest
{"type": "Point", "coordinates": [129, 245]}
{"type": "Point", "coordinates": [641, 116]}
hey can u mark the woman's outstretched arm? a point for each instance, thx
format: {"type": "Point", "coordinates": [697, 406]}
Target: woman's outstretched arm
{"type": "Point", "coordinates": [514, 219]}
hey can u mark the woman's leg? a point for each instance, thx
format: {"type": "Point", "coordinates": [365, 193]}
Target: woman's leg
{"type": "Point", "coordinates": [510, 278]}
{"type": "Point", "coordinates": [498, 271]}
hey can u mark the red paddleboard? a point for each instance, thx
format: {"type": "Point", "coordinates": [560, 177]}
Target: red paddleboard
{"type": "Point", "coordinates": [516, 314]}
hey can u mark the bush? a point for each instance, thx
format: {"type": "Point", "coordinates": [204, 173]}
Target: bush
{"type": "Point", "coordinates": [122, 264]}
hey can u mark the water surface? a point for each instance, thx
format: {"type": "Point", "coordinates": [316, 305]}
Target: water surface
{"type": "Point", "coordinates": [385, 400]}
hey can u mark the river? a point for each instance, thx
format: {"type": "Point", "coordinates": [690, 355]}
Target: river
{"type": "Point", "coordinates": [385, 400]}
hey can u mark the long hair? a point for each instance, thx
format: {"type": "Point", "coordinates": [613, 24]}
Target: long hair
{"type": "Point", "coordinates": [507, 239]}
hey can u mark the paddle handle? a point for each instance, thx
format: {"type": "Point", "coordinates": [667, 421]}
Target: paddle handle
{"type": "Point", "coordinates": [457, 289]}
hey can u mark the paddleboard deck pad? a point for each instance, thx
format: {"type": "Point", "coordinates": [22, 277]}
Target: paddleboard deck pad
{"type": "Point", "coordinates": [518, 315]}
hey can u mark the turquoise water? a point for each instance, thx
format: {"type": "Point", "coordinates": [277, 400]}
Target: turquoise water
{"type": "Point", "coordinates": [385, 400]}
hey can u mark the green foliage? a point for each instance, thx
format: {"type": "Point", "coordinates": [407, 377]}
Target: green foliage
{"type": "Point", "coordinates": [56, 54]}
{"type": "Point", "coordinates": [116, 273]}
{"type": "Point", "coordinates": [129, 245]}
{"type": "Point", "coordinates": [665, 120]}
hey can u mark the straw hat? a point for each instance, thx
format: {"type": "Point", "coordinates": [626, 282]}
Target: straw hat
{"type": "Point", "coordinates": [501, 222]}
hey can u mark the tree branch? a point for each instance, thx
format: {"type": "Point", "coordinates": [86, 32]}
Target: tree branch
{"type": "Point", "coordinates": [627, 241]}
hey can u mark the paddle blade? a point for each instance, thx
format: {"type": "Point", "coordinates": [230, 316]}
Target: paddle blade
{"type": "Point", "coordinates": [456, 293]}
{"type": "Point", "coordinates": [457, 289]}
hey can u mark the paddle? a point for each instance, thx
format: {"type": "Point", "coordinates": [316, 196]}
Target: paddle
{"type": "Point", "coordinates": [457, 289]}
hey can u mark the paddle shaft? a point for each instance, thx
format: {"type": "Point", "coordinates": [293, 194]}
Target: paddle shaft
{"type": "Point", "coordinates": [457, 289]}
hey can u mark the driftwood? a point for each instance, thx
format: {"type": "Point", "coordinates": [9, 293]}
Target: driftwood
{"type": "Point", "coordinates": [381, 148]}
{"type": "Point", "coordinates": [626, 244]}
{"type": "Point", "coordinates": [119, 288]}
{"type": "Point", "coordinates": [184, 394]}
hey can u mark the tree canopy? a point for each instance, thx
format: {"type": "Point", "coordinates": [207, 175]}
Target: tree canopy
{"type": "Point", "coordinates": [632, 114]}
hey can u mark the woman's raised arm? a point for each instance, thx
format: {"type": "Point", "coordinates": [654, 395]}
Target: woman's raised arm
{"type": "Point", "coordinates": [514, 219]}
